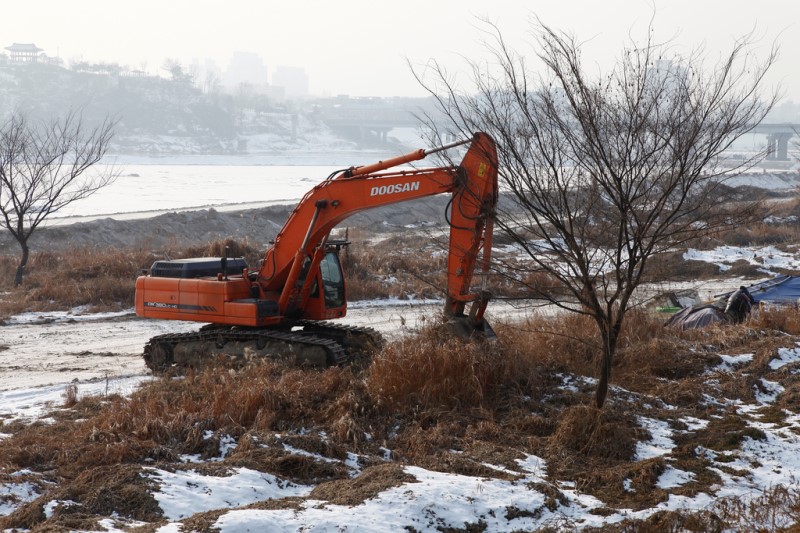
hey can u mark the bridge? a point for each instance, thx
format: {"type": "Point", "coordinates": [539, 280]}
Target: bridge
{"type": "Point", "coordinates": [778, 136]}
{"type": "Point", "coordinates": [370, 119]}
{"type": "Point", "coordinates": [363, 122]}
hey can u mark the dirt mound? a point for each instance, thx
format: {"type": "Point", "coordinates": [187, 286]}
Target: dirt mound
{"type": "Point", "coordinates": [369, 484]}
{"type": "Point", "coordinates": [258, 226]}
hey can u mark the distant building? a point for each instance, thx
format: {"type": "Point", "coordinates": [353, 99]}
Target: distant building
{"type": "Point", "coordinates": [24, 52]}
{"type": "Point", "coordinates": [294, 81]}
{"type": "Point", "coordinates": [245, 68]}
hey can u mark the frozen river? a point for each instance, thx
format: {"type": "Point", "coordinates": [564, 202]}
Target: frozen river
{"type": "Point", "coordinates": [153, 189]}
{"type": "Point", "coordinates": [145, 187]}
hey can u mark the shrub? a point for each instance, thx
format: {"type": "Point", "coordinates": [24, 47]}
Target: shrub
{"type": "Point", "coordinates": [101, 278]}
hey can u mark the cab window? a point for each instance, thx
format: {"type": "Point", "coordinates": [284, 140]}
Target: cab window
{"type": "Point", "coordinates": [332, 280]}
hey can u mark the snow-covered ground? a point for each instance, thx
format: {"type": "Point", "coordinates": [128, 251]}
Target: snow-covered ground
{"type": "Point", "coordinates": [99, 354]}
{"type": "Point", "coordinates": [61, 348]}
{"type": "Point", "coordinates": [435, 500]}
{"type": "Point", "coordinates": [767, 259]}
{"type": "Point", "coordinates": [439, 500]}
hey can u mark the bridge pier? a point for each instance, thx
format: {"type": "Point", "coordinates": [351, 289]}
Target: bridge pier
{"type": "Point", "coordinates": [367, 133]}
{"type": "Point", "coordinates": [778, 146]}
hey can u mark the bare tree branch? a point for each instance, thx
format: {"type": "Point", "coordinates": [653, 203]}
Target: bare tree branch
{"type": "Point", "coordinates": [45, 166]}
{"type": "Point", "coordinates": [606, 172]}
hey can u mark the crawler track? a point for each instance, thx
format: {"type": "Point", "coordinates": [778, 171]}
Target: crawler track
{"type": "Point", "coordinates": [355, 339]}
{"type": "Point", "coordinates": [304, 342]}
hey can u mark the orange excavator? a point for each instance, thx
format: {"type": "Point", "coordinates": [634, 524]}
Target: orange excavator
{"type": "Point", "coordinates": [283, 308]}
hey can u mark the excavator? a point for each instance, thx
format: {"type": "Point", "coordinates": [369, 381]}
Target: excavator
{"type": "Point", "coordinates": [284, 307]}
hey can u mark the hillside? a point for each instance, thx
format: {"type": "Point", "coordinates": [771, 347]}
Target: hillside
{"type": "Point", "coordinates": [158, 116]}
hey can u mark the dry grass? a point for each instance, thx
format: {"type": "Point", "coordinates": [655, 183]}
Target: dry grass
{"type": "Point", "coordinates": [785, 319]}
{"type": "Point", "coordinates": [410, 267]}
{"type": "Point", "coordinates": [70, 395]}
{"type": "Point", "coordinates": [434, 402]}
{"type": "Point", "coordinates": [603, 433]}
{"type": "Point", "coordinates": [762, 234]}
{"type": "Point", "coordinates": [101, 279]}
{"type": "Point", "coordinates": [369, 484]}
{"type": "Point", "coordinates": [434, 371]}
{"type": "Point", "coordinates": [399, 267]}
{"type": "Point", "coordinates": [219, 248]}
{"type": "Point", "coordinates": [775, 509]}
{"type": "Point", "coordinates": [98, 278]}
{"type": "Point", "coordinates": [431, 400]}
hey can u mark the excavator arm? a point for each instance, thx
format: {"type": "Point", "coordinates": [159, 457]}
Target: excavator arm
{"type": "Point", "coordinates": [473, 184]}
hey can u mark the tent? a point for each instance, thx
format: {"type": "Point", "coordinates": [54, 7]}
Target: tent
{"type": "Point", "coordinates": [780, 290]}
{"type": "Point", "coordinates": [697, 316]}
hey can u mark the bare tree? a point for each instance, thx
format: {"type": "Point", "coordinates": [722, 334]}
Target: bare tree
{"type": "Point", "coordinates": [211, 84]}
{"type": "Point", "coordinates": [177, 71]}
{"type": "Point", "coordinates": [45, 166]}
{"type": "Point", "coordinates": [608, 170]}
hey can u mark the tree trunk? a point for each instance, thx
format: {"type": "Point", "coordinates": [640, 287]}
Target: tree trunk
{"type": "Point", "coordinates": [605, 377]}
{"type": "Point", "coordinates": [22, 262]}
{"type": "Point", "coordinates": [609, 347]}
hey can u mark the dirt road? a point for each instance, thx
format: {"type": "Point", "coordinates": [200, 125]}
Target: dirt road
{"type": "Point", "coordinates": [60, 348]}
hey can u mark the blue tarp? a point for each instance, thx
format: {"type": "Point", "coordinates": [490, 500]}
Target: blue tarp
{"type": "Point", "coordinates": [783, 290]}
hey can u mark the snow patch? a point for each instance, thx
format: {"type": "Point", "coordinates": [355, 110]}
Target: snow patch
{"type": "Point", "coordinates": [661, 442]}
{"type": "Point", "coordinates": [732, 362]}
{"type": "Point", "coordinates": [392, 302]}
{"type": "Point", "coordinates": [436, 501]}
{"type": "Point", "coordinates": [13, 495]}
{"type": "Point", "coordinates": [672, 477]}
{"type": "Point", "coordinates": [767, 257]}
{"type": "Point", "coordinates": [77, 314]}
{"type": "Point", "coordinates": [693, 424]}
{"type": "Point", "coordinates": [184, 493]}
{"type": "Point", "coordinates": [786, 356]}
{"type": "Point", "coordinates": [768, 392]}
{"type": "Point", "coordinates": [51, 506]}
{"type": "Point", "coordinates": [32, 404]}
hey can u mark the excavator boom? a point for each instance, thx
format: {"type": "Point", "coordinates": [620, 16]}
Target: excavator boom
{"type": "Point", "coordinates": [473, 183]}
{"type": "Point", "coordinates": [300, 279]}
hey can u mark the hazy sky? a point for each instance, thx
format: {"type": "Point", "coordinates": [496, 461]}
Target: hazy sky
{"type": "Point", "coordinates": [361, 47]}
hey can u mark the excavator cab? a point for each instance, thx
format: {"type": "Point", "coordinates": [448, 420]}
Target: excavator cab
{"type": "Point", "coordinates": [331, 301]}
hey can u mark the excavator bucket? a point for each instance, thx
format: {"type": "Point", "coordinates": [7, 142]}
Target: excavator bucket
{"type": "Point", "coordinates": [472, 325]}
{"type": "Point", "coordinates": [463, 327]}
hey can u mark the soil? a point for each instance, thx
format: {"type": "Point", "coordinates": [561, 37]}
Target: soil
{"type": "Point", "coordinates": [257, 226]}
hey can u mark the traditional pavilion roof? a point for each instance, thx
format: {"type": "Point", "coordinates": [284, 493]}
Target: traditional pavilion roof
{"type": "Point", "coordinates": [23, 47]}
